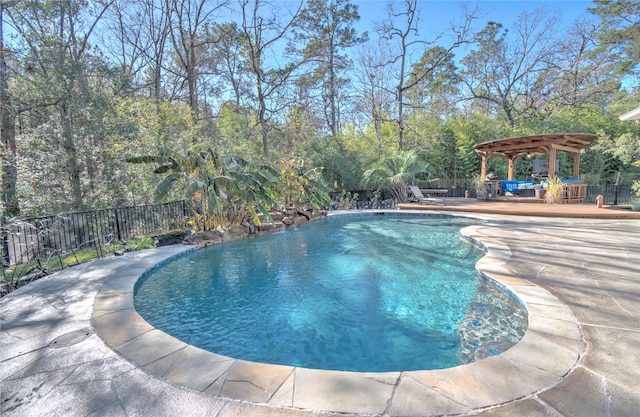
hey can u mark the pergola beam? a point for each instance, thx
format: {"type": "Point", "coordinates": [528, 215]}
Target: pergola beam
{"type": "Point", "coordinates": [564, 148]}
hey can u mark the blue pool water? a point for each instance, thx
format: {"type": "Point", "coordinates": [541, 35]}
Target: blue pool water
{"type": "Point", "coordinates": [358, 293]}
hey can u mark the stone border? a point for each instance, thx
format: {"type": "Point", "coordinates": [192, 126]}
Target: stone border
{"type": "Point", "coordinates": [551, 348]}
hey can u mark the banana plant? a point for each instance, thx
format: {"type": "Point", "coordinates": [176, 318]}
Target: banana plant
{"type": "Point", "coordinates": [301, 183]}
{"type": "Point", "coordinates": [256, 190]}
{"type": "Point", "coordinates": [220, 188]}
{"type": "Point", "coordinates": [202, 177]}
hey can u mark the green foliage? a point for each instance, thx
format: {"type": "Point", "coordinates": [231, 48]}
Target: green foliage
{"type": "Point", "coordinates": [301, 183]}
{"type": "Point", "coordinates": [227, 189]}
{"type": "Point", "coordinates": [83, 106]}
{"type": "Point", "coordinates": [347, 201]}
{"type": "Point", "coordinates": [139, 243]}
{"type": "Point", "coordinates": [396, 173]}
{"type": "Point", "coordinates": [635, 187]}
{"type": "Point", "coordinates": [344, 158]}
{"type": "Point", "coordinates": [37, 264]}
{"type": "Point", "coordinates": [619, 28]}
{"type": "Point", "coordinates": [237, 133]}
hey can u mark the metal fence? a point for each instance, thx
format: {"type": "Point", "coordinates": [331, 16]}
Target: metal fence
{"type": "Point", "coordinates": [23, 240]}
{"type": "Point", "coordinates": [613, 195]}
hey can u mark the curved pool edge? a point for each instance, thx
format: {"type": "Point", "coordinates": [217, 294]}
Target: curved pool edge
{"type": "Point", "coordinates": [551, 348]}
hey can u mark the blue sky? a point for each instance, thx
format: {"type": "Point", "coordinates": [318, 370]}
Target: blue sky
{"type": "Point", "coordinates": [436, 15]}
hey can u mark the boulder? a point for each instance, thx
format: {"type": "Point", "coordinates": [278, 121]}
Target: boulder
{"type": "Point", "coordinates": [288, 220]}
{"type": "Point", "coordinates": [318, 214]}
{"type": "Point", "coordinates": [249, 227]}
{"type": "Point", "coordinates": [305, 213]}
{"type": "Point", "coordinates": [300, 221]}
{"type": "Point", "coordinates": [211, 235]}
{"type": "Point", "coordinates": [267, 227]}
{"type": "Point", "coordinates": [193, 239]}
{"type": "Point", "coordinates": [236, 230]}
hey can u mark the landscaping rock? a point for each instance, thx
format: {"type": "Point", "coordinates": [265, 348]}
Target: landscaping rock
{"type": "Point", "coordinates": [170, 238]}
{"type": "Point", "coordinates": [211, 235]}
{"type": "Point", "coordinates": [207, 243]}
{"type": "Point", "coordinates": [318, 214]}
{"type": "Point", "coordinates": [300, 221]}
{"type": "Point", "coordinates": [288, 220]}
{"type": "Point", "coordinates": [236, 230]}
{"type": "Point", "coordinates": [193, 239]}
{"type": "Point", "coordinates": [270, 228]}
{"type": "Point", "coordinates": [250, 227]}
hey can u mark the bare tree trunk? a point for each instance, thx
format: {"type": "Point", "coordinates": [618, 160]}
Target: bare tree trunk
{"type": "Point", "coordinates": [264, 127]}
{"type": "Point", "coordinates": [7, 116]}
{"type": "Point", "coordinates": [260, 35]}
{"type": "Point", "coordinates": [332, 96]}
{"type": "Point", "coordinates": [69, 146]}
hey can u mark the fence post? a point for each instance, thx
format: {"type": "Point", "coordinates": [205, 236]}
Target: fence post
{"type": "Point", "coordinates": [615, 191]}
{"type": "Point", "coordinates": [6, 256]}
{"type": "Point", "coordinates": [115, 210]}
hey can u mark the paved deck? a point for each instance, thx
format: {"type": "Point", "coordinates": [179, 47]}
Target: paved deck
{"type": "Point", "coordinates": [517, 207]}
{"type": "Point", "coordinates": [72, 345]}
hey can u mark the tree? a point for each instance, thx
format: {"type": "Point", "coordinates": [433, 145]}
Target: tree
{"type": "Point", "coordinates": [262, 36]}
{"type": "Point", "coordinates": [327, 29]}
{"type": "Point", "coordinates": [228, 60]}
{"type": "Point", "coordinates": [375, 95]}
{"type": "Point", "coordinates": [395, 173]}
{"type": "Point", "coordinates": [141, 31]}
{"type": "Point", "coordinates": [620, 30]}
{"type": "Point", "coordinates": [9, 168]}
{"type": "Point", "coordinates": [405, 33]}
{"type": "Point", "coordinates": [186, 20]}
{"type": "Point", "coordinates": [505, 73]}
{"type": "Point", "coordinates": [59, 65]}
{"type": "Point", "coordinates": [435, 92]}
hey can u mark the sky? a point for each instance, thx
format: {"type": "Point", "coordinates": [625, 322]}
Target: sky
{"type": "Point", "coordinates": [436, 15]}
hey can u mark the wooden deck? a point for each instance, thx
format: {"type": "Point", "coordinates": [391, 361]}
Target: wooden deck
{"type": "Point", "coordinates": [524, 207]}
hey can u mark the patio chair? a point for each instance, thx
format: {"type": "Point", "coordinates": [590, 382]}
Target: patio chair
{"type": "Point", "coordinates": [417, 196]}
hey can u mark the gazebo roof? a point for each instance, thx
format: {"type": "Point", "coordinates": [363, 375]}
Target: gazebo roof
{"type": "Point", "coordinates": [512, 148]}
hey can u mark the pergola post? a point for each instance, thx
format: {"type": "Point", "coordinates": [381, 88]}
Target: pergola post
{"type": "Point", "coordinates": [552, 162]}
{"type": "Point", "coordinates": [511, 164]}
{"type": "Point", "coordinates": [576, 165]}
{"type": "Point", "coordinates": [483, 170]}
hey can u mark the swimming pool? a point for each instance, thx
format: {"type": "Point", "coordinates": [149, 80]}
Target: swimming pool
{"type": "Point", "coordinates": [365, 293]}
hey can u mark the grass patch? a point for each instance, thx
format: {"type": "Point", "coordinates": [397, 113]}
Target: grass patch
{"type": "Point", "coordinates": [15, 276]}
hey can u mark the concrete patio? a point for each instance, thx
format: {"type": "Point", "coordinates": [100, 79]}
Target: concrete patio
{"type": "Point", "coordinates": [72, 345]}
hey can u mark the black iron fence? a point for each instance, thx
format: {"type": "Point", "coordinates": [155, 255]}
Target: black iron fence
{"type": "Point", "coordinates": [612, 194]}
{"type": "Point", "coordinates": [23, 240]}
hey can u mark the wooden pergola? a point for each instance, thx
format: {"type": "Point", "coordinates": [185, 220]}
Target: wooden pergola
{"type": "Point", "coordinates": [514, 148]}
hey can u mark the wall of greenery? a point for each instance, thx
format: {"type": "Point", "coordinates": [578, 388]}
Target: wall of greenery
{"type": "Point", "coordinates": [88, 87]}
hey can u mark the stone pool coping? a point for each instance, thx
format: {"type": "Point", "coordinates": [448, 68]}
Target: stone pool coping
{"type": "Point", "coordinates": [551, 348]}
